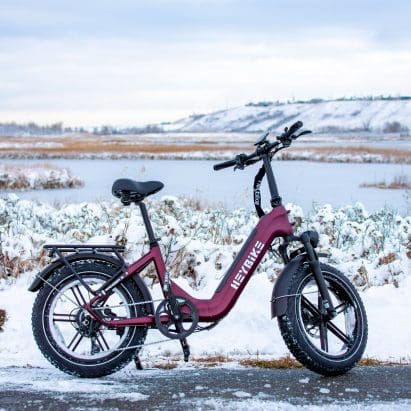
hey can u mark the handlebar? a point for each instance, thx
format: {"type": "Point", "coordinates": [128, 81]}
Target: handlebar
{"type": "Point", "coordinates": [224, 164]}
{"type": "Point", "coordinates": [240, 161]}
{"type": "Point", "coordinates": [264, 147]}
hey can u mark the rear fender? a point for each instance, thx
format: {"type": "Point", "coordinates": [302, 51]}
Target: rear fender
{"type": "Point", "coordinates": [279, 297]}
{"type": "Point", "coordinates": [58, 264]}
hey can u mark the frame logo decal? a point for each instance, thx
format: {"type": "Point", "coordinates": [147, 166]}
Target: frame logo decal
{"type": "Point", "coordinates": [248, 263]}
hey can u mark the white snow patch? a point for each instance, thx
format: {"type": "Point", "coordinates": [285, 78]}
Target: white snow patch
{"type": "Point", "coordinates": [266, 405]}
{"type": "Point", "coordinates": [242, 394]}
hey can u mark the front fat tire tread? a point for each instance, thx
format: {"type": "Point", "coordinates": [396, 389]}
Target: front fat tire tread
{"type": "Point", "coordinates": [287, 332]}
{"type": "Point", "coordinates": [299, 347]}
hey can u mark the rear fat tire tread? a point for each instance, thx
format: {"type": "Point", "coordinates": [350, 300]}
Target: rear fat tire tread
{"type": "Point", "coordinates": [78, 369]}
{"type": "Point", "coordinates": [297, 344]}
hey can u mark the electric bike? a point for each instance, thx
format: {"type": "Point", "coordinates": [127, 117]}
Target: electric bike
{"type": "Point", "coordinates": [93, 310]}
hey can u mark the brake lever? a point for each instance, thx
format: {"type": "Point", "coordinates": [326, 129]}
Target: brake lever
{"type": "Point", "coordinates": [240, 162]}
{"type": "Point", "coordinates": [302, 133]}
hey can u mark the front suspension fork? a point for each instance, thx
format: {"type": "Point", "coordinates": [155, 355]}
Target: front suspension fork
{"type": "Point", "coordinates": [309, 239]}
{"type": "Point", "coordinates": [312, 259]}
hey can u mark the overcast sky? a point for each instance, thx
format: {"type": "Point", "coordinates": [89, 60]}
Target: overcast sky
{"type": "Point", "coordinates": [128, 62]}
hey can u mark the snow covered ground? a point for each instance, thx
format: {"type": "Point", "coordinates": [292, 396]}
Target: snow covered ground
{"type": "Point", "coordinates": [371, 249]}
{"type": "Point", "coordinates": [327, 116]}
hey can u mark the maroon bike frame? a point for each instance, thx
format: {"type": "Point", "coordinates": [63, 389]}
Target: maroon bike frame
{"type": "Point", "coordinates": [272, 225]}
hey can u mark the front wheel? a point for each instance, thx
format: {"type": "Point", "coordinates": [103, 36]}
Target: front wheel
{"type": "Point", "coordinates": [70, 338]}
{"type": "Point", "coordinates": [326, 346]}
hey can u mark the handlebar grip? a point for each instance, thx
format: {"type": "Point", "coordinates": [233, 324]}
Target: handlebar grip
{"type": "Point", "coordinates": [224, 164]}
{"type": "Point", "coordinates": [296, 126]}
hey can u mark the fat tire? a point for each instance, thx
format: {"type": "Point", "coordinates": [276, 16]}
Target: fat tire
{"type": "Point", "coordinates": [70, 364]}
{"type": "Point", "coordinates": [296, 339]}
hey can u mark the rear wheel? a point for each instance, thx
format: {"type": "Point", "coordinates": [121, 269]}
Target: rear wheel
{"type": "Point", "coordinates": [70, 338]}
{"type": "Point", "coordinates": [326, 346]}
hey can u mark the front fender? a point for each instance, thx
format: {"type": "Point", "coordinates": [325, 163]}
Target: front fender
{"type": "Point", "coordinates": [58, 264]}
{"type": "Point", "coordinates": [279, 297]}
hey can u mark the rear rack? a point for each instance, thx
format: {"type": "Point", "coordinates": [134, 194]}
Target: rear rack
{"type": "Point", "coordinates": [59, 249]}
{"type": "Point", "coordinates": [83, 248]}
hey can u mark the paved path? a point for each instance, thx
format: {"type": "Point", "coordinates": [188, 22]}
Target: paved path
{"type": "Point", "coordinates": [218, 388]}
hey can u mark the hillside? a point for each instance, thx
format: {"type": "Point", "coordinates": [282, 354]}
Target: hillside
{"type": "Point", "coordinates": [342, 116]}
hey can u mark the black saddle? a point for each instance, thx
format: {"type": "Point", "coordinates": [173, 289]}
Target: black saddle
{"type": "Point", "coordinates": [130, 191]}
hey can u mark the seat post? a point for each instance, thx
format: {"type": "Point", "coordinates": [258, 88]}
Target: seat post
{"type": "Point", "coordinates": [147, 223]}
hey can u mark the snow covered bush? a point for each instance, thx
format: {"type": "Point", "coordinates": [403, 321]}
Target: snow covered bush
{"type": "Point", "coordinates": [199, 245]}
{"type": "Point", "coordinates": [29, 177]}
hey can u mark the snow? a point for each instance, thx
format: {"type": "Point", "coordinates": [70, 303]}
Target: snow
{"type": "Point", "coordinates": [371, 248]}
{"type": "Point", "coordinates": [38, 380]}
{"type": "Point", "coordinates": [29, 177]}
{"type": "Point", "coordinates": [327, 116]}
{"type": "Point", "coordinates": [262, 404]}
{"type": "Point", "coordinates": [242, 394]}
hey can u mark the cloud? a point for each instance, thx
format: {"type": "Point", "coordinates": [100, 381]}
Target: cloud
{"type": "Point", "coordinates": [85, 80]}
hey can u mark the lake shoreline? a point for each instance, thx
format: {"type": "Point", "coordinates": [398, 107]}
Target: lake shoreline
{"type": "Point", "coordinates": [319, 155]}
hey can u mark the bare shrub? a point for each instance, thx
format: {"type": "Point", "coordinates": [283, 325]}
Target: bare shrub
{"type": "Point", "coordinates": [394, 127]}
{"type": "Point", "coordinates": [3, 318]}
{"type": "Point", "coordinates": [399, 183]}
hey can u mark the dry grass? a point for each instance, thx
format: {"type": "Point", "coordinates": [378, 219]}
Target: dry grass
{"type": "Point", "coordinates": [399, 183]}
{"type": "Point", "coordinates": [212, 358]}
{"type": "Point", "coordinates": [289, 362]}
{"type": "Point", "coordinates": [354, 150]}
{"type": "Point", "coordinates": [13, 267]}
{"type": "Point", "coordinates": [212, 361]}
{"type": "Point", "coordinates": [286, 362]}
{"type": "Point", "coordinates": [387, 259]}
{"type": "Point", "coordinates": [169, 365]}
{"type": "Point", "coordinates": [372, 362]}
{"type": "Point", "coordinates": [140, 145]}
{"type": "Point", "coordinates": [98, 145]}
{"type": "Point", "coordinates": [280, 363]}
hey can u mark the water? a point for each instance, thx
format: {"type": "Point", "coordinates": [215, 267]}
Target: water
{"type": "Point", "coordinates": [301, 182]}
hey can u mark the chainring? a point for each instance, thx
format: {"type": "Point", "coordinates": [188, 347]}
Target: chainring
{"type": "Point", "coordinates": [176, 328]}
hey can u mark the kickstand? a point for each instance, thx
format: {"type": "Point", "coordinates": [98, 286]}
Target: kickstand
{"type": "Point", "coordinates": [186, 348]}
{"type": "Point", "coordinates": [137, 362]}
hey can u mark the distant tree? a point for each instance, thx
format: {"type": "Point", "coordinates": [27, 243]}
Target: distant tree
{"type": "Point", "coordinates": [394, 127]}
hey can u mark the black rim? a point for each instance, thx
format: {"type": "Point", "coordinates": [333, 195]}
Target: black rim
{"type": "Point", "coordinates": [336, 338]}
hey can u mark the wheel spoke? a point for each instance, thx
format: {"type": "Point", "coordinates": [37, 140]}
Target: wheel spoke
{"type": "Point", "coordinates": [73, 341]}
{"type": "Point", "coordinates": [63, 318]}
{"type": "Point", "coordinates": [338, 333]}
{"type": "Point", "coordinates": [78, 295]}
{"type": "Point", "coordinates": [310, 306]}
{"type": "Point", "coordinates": [341, 308]}
{"type": "Point", "coordinates": [328, 325]}
{"type": "Point", "coordinates": [103, 340]}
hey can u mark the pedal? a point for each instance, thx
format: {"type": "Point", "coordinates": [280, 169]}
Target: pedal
{"type": "Point", "coordinates": [186, 348]}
